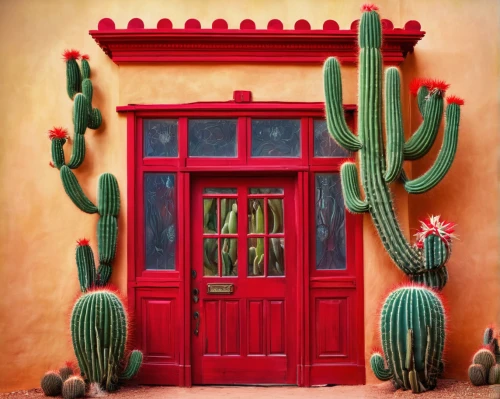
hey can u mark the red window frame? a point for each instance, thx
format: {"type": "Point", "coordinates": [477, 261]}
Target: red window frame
{"type": "Point", "coordinates": [304, 167]}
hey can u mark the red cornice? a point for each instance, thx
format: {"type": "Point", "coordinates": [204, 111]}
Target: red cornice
{"type": "Point", "coordinates": [247, 44]}
{"type": "Point", "coordinates": [233, 106]}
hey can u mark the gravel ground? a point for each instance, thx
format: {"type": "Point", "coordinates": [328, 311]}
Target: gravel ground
{"type": "Point", "coordinates": [446, 389]}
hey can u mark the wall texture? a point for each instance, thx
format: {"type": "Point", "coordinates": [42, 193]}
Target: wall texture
{"type": "Point", "coordinates": [40, 225]}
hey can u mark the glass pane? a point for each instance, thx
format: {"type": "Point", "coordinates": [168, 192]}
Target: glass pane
{"type": "Point", "coordinates": [210, 216]}
{"type": "Point", "coordinates": [228, 216]}
{"type": "Point", "coordinates": [275, 215]}
{"type": "Point", "coordinates": [210, 257]}
{"type": "Point", "coordinates": [276, 260]}
{"type": "Point", "coordinates": [160, 221]}
{"type": "Point", "coordinates": [256, 256]}
{"type": "Point", "coordinates": [212, 138]}
{"type": "Point", "coordinates": [160, 138]}
{"type": "Point", "coordinates": [266, 191]}
{"type": "Point", "coordinates": [324, 145]}
{"type": "Point", "coordinates": [219, 190]}
{"type": "Point", "coordinates": [330, 222]}
{"type": "Point", "coordinates": [275, 138]}
{"type": "Point", "coordinates": [229, 256]}
{"type": "Point", "coordinates": [256, 216]}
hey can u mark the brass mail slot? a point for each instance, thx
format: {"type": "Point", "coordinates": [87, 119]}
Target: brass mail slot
{"type": "Point", "coordinates": [220, 288]}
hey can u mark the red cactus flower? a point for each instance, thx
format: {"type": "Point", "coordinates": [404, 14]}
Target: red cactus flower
{"type": "Point", "coordinates": [71, 54]}
{"type": "Point", "coordinates": [51, 164]}
{"type": "Point", "coordinates": [58, 133]}
{"type": "Point", "coordinates": [455, 100]}
{"type": "Point", "coordinates": [436, 84]}
{"type": "Point", "coordinates": [368, 7]}
{"type": "Point", "coordinates": [83, 242]}
{"type": "Point", "coordinates": [417, 83]}
{"type": "Point", "coordinates": [434, 226]}
{"type": "Point", "coordinates": [70, 364]}
{"type": "Point", "coordinates": [85, 57]}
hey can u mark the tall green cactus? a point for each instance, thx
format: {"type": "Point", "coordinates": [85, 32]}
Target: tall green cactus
{"type": "Point", "coordinates": [413, 334]}
{"type": "Point", "coordinates": [79, 88]}
{"type": "Point", "coordinates": [99, 335]}
{"type": "Point", "coordinates": [379, 168]}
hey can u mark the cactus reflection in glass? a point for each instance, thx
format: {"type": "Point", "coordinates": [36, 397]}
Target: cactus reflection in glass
{"type": "Point", "coordinates": [160, 220]}
{"type": "Point", "coordinates": [379, 168]}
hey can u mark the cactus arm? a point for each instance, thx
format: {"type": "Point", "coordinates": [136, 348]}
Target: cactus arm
{"type": "Point", "coordinates": [81, 112]}
{"type": "Point", "coordinates": [107, 233]}
{"type": "Point", "coordinates": [85, 68]}
{"type": "Point", "coordinates": [422, 94]}
{"type": "Point", "coordinates": [75, 192]}
{"type": "Point", "coordinates": [87, 89]}
{"type": "Point", "coordinates": [445, 157]}
{"type": "Point", "coordinates": [422, 140]}
{"type": "Point", "coordinates": [350, 189]}
{"type": "Point", "coordinates": [85, 265]}
{"type": "Point", "coordinates": [335, 118]}
{"type": "Point", "coordinates": [393, 125]}
{"type": "Point", "coordinates": [78, 152]}
{"type": "Point", "coordinates": [133, 366]}
{"type": "Point", "coordinates": [95, 119]}
{"type": "Point", "coordinates": [379, 369]}
{"type": "Point", "coordinates": [73, 78]}
{"type": "Point", "coordinates": [58, 152]}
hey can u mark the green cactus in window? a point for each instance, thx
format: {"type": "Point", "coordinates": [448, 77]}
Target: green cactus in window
{"type": "Point", "coordinates": [424, 263]}
{"type": "Point", "coordinates": [413, 333]}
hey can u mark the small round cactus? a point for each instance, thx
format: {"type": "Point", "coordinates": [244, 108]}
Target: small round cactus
{"type": "Point", "coordinates": [494, 376]}
{"type": "Point", "coordinates": [485, 358]}
{"type": "Point", "coordinates": [66, 371]}
{"type": "Point", "coordinates": [477, 374]}
{"type": "Point", "coordinates": [73, 387]}
{"type": "Point", "coordinates": [51, 383]}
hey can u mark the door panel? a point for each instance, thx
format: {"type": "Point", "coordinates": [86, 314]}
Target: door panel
{"type": "Point", "coordinates": [243, 293]}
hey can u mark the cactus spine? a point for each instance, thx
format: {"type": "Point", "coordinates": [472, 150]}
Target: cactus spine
{"type": "Point", "coordinates": [377, 168]}
{"type": "Point", "coordinates": [73, 387]}
{"type": "Point", "coordinates": [51, 383]}
{"type": "Point", "coordinates": [99, 334]}
{"type": "Point", "coordinates": [413, 334]}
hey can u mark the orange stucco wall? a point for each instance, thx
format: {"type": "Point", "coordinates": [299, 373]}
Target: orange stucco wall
{"type": "Point", "coordinates": [39, 224]}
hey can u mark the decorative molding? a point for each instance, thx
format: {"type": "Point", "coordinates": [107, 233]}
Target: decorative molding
{"type": "Point", "coordinates": [248, 44]}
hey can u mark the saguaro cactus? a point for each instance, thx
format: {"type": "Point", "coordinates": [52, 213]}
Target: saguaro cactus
{"type": "Point", "coordinates": [99, 334]}
{"type": "Point", "coordinates": [80, 90]}
{"type": "Point", "coordinates": [413, 334]}
{"type": "Point", "coordinates": [377, 168]}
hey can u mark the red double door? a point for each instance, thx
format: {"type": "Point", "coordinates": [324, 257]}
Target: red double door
{"type": "Point", "coordinates": [243, 281]}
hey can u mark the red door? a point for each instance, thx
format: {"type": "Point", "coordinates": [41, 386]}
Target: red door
{"type": "Point", "coordinates": [243, 289]}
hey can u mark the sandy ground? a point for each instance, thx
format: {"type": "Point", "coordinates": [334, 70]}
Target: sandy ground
{"type": "Point", "coordinates": [446, 389]}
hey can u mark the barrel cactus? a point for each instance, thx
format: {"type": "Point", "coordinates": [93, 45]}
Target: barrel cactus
{"type": "Point", "coordinates": [413, 333]}
{"type": "Point", "coordinates": [485, 367]}
{"type": "Point", "coordinates": [73, 387]}
{"type": "Point", "coordinates": [99, 326]}
{"type": "Point", "coordinates": [67, 371]}
{"type": "Point", "coordinates": [51, 383]}
{"type": "Point", "coordinates": [423, 263]}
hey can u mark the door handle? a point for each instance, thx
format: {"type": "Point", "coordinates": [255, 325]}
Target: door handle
{"type": "Point", "coordinates": [196, 316]}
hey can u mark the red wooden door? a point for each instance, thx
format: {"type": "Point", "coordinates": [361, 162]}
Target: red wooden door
{"type": "Point", "coordinates": [243, 285]}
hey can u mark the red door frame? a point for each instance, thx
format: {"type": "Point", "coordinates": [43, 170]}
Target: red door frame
{"type": "Point", "coordinates": [167, 293]}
